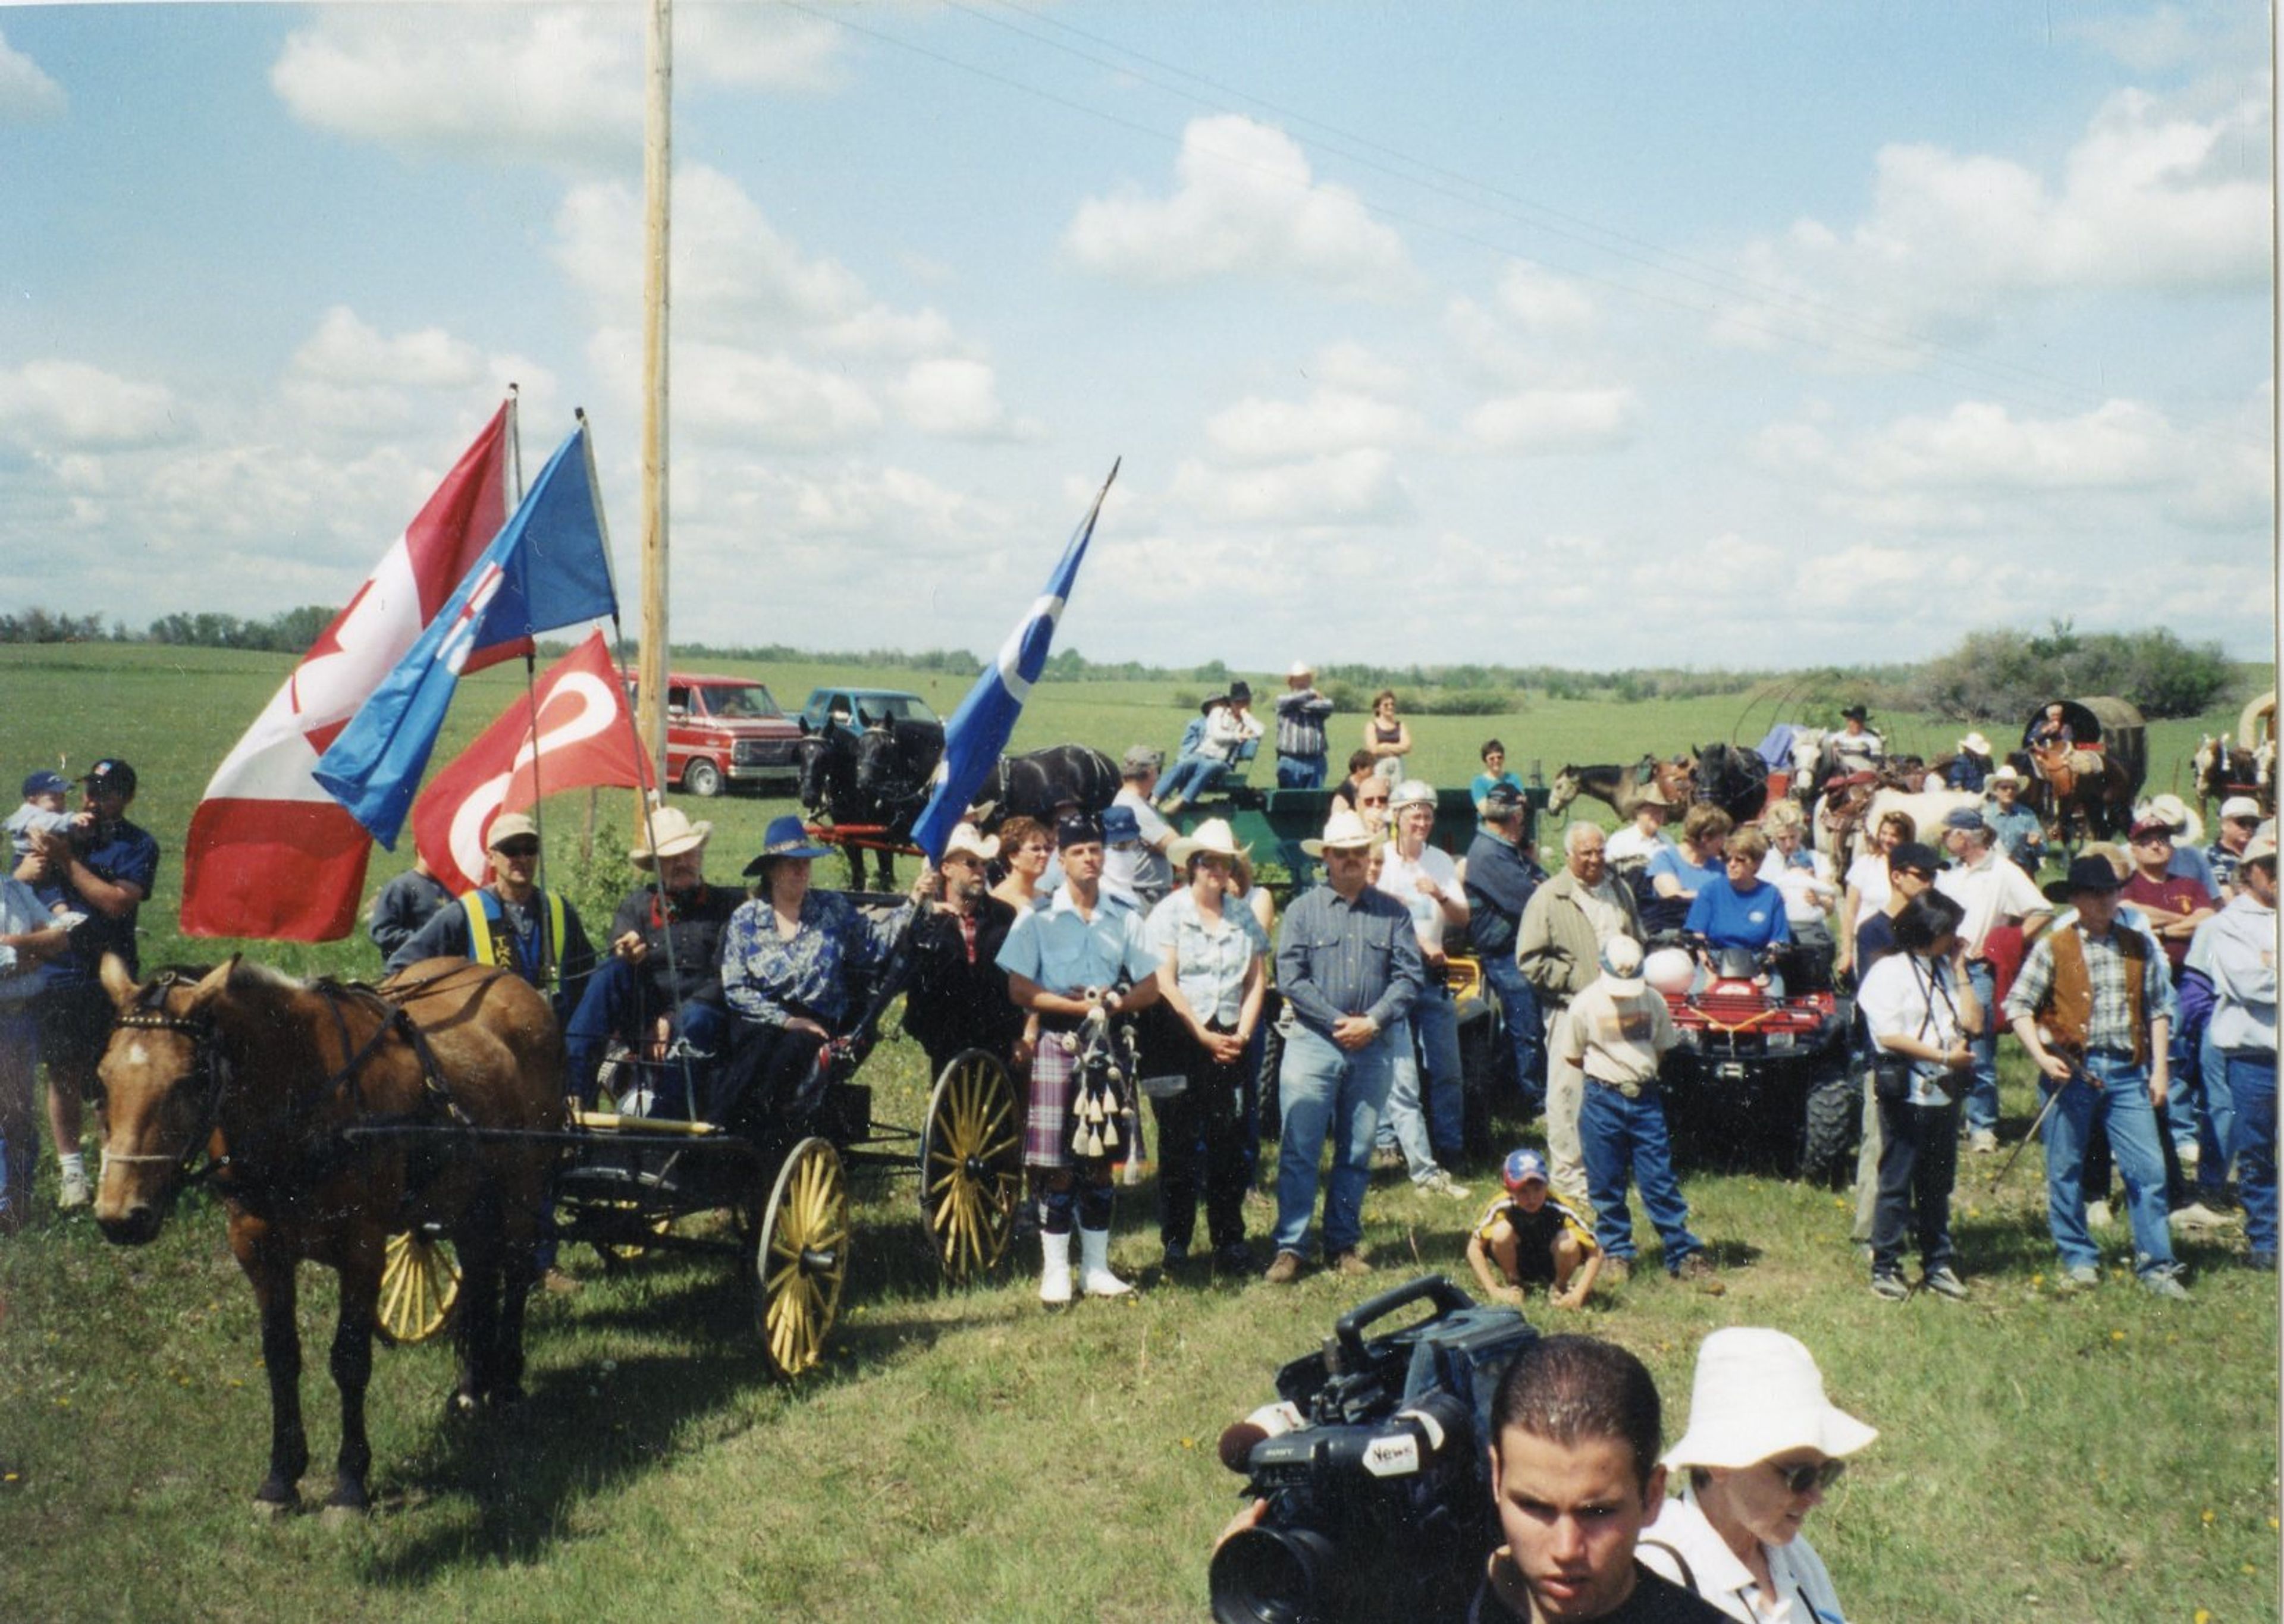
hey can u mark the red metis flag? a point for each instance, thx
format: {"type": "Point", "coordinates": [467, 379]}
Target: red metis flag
{"type": "Point", "coordinates": [271, 855]}
{"type": "Point", "coordinates": [573, 731]}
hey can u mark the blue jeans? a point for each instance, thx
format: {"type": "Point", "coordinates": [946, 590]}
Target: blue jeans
{"type": "Point", "coordinates": [1439, 1134]}
{"type": "Point", "coordinates": [1983, 1095]}
{"type": "Point", "coordinates": [2252, 1086]}
{"type": "Point", "coordinates": [1618, 1135]}
{"type": "Point", "coordinates": [2184, 1096]}
{"type": "Point", "coordinates": [1191, 777]}
{"type": "Point", "coordinates": [1301, 772]}
{"type": "Point", "coordinates": [1326, 1091]}
{"type": "Point", "coordinates": [2119, 1099]}
{"type": "Point", "coordinates": [2216, 1122]}
{"type": "Point", "coordinates": [616, 1003]}
{"type": "Point", "coordinates": [1526, 1039]}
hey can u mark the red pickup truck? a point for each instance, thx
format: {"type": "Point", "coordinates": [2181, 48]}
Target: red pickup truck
{"type": "Point", "coordinates": [725, 731]}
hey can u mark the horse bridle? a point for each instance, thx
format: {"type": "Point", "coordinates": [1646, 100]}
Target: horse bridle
{"type": "Point", "coordinates": [209, 1072]}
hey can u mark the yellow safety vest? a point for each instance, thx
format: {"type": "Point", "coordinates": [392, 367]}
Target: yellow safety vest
{"type": "Point", "coordinates": [488, 946]}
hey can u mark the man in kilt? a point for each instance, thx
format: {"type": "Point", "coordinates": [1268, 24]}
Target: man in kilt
{"type": "Point", "coordinates": [1083, 951]}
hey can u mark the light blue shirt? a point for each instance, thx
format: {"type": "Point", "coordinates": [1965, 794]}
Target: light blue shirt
{"type": "Point", "coordinates": [1211, 958]}
{"type": "Point", "coordinates": [1066, 953]}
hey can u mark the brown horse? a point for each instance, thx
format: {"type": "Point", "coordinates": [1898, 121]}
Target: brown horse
{"type": "Point", "coordinates": [264, 1075]}
{"type": "Point", "coordinates": [2089, 786]}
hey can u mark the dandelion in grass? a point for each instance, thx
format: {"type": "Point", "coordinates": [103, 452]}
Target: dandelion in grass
{"type": "Point", "coordinates": [2117, 1336]}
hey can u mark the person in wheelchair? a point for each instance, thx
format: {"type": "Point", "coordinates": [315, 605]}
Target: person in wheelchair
{"type": "Point", "coordinates": [797, 965]}
{"type": "Point", "coordinates": [662, 979]}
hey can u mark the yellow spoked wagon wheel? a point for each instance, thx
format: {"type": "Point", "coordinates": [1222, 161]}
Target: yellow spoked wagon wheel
{"type": "Point", "coordinates": [419, 1283]}
{"type": "Point", "coordinates": [971, 1165]}
{"type": "Point", "coordinates": [803, 1257]}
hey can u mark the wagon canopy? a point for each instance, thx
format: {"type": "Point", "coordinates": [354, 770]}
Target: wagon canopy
{"type": "Point", "coordinates": [2112, 723]}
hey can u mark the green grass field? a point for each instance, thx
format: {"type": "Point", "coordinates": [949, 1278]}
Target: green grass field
{"type": "Point", "coordinates": [964, 1454]}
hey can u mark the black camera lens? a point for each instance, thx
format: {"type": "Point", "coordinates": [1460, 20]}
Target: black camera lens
{"type": "Point", "coordinates": [1271, 1576]}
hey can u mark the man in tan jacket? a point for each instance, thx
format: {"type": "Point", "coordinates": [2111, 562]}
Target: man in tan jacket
{"type": "Point", "coordinates": [1558, 948]}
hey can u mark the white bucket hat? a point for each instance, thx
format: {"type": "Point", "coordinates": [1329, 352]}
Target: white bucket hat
{"type": "Point", "coordinates": [671, 834]}
{"type": "Point", "coordinates": [1621, 965]}
{"type": "Point", "coordinates": [1758, 1394]}
{"type": "Point", "coordinates": [1344, 830]}
{"type": "Point", "coordinates": [1214, 836]}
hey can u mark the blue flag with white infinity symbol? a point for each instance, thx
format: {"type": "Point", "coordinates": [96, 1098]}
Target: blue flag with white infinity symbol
{"type": "Point", "coordinates": [979, 730]}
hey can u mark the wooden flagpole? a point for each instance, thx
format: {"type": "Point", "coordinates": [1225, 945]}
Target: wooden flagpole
{"type": "Point", "coordinates": [658, 152]}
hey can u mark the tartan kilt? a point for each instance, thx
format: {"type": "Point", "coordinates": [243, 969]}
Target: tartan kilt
{"type": "Point", "coordinates": [1047, 1122]}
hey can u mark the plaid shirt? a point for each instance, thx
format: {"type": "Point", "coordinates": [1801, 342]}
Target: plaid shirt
{"type": "Point", "coordinates": [2111, 1024]}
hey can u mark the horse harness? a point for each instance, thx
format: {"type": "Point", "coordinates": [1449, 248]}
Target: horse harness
{"type": "Point", "coordinates": [210, 1073]}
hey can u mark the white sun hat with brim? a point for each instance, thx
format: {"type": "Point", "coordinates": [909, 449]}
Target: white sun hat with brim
{"type": "Point", "coordinates": [1621, 965]}
{"type": "Point", "coordinates": [1758, 1395]}
{"type": "Point", "coordinates": [1344, 830]}
{"type": "Point", "coordinates": [965, 841]}
{"type": "Point", "coordinates": [669, 834]}
{"type": "Point", "coordinates": [1214, 837]}
{"type": "Point", "coordinates": [2188, 828]}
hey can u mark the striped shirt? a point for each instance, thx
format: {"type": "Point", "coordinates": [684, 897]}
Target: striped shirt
{"type": "Point", "coordinates": [1301, 715]}
{"type": "Point", "coordinates": [1335, 958]}
{"type": "Point", "coordinates": [2111, 1025]}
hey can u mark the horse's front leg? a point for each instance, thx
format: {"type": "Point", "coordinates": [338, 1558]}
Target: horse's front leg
{"type": "Point", "coordinates": [479, 1307]}
{"type": "Point", "coordinates": [270, 1268]}
{"type": "Point", "coordinates": [352, 1368]}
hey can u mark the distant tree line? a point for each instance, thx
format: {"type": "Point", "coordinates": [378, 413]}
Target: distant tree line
{"type": "Point", "coordinates": [1992, 675]}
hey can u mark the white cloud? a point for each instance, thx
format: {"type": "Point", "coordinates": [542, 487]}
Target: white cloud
{"type": "Point", "coordinates": [954, 397]}
{"type": "Point", "coordinates": [58, 405]}
{"type": "Point", "coordinates": [723, 392]}
{"type": "Point", "coordinates": [1254, 432]}
{"type": "Point", "coordinates": [1358, 487]}
{"type": "Point", "coordinates": [27, 96]}
{"type": "Point", "coordinates": [2167, 38]}
{"type": "Point", "coordinates": [2150, 197]}
{"type": "Point", "coordinates": [346, 350]}
{"type": "Point", "coordinates": [556, 84]}
{"type": "Point", "coordinates": [1543, 422]}
{"type": "Point", "coordinates": [1539, 301]}
{"type": "Point", "coordinates": [1244, 204]}
{"type": "Point", "coordinates": [1977, 446]}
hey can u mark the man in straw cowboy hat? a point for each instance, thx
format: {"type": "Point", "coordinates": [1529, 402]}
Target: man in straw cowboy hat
{"type": "Point", "coordinates": [959, 998]}
{"type": "Point", "coordinates": [663, 976]}
{"type": "Point", "coordinates": [1348, 965]}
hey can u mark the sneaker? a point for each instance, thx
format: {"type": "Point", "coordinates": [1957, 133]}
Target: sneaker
{"type": "Point", "coordinates": [1697, 1269]}
{"type": "Point", "coordinates": [2197, 1215]}
{"type": "Point", "coordinates": [74, 1193]}
{"type": "Point", "coordinates": [1981, 1142]}
{"type": "Point", "coordinates": [1944, 1283]}
{"type": "Point", "coordinates": [1439, 1183]}
{"type": "Point", "coordinates": [2079, 1277]}
{"type": "Point", "coordinates": [1889, 1286]}
{"type": "Point", "coordinates": [1351, 1262]}
{"type": "Point", "coordinates": [2098, 1215]}
{"type": "Point", "coordinates": [2167, 1285]}
{"type": "Point", "coordinates": [1285, 1270]}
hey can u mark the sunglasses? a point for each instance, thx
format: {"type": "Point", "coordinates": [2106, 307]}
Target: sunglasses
{"type": "Point", "coordinates": [1816, 1474]}
{"type": "Point", "coordinates": [519, 849]}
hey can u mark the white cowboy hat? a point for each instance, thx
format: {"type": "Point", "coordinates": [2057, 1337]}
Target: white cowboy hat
{"type": "Point", "coordinates": [1344, 830]}
{"type": "Point", "coordinates": [1301, 668]}
{"type": "Point", "coordinates": [1213, 836]}
{"type": "Point", "coordinates": [2006, 774]}
{"type": "Point", "coordinates": [1975, 744]}
{"type": "Point", "coordinates": [671, 834]}
{"type": "Point", "coordinates": [966, 842]}
{"type": "Point", "coordinates": [1758, 1394]}
{"type": "Point", "coordinates": [2188, 828]}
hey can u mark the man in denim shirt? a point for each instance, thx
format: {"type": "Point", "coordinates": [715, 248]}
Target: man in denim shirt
{"type": "Point", "coordinates": [1348, 963]}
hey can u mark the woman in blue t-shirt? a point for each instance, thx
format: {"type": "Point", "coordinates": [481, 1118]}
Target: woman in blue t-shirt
{"type": "Point", "coordinates": [1677, 874]}
{"type": "Point", "coordinates": [1740, 909]}
{"type": "Point", "coordinates": [1494, 754]}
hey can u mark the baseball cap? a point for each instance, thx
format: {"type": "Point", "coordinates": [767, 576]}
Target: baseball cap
{"type": "Point", "coordinates": [1078, 828]}
{"type": "Point", "coordinates": [1142, 759]}
{"type": "Point", "coordinates": [2234, 807]}
{"type": "Point", "coordinates": [509, 826]}
{"type": "Point", "coordinates": [1522, 1168]}
{"type": "Point", "coordinates": [1120, 824]}
{"type": "Point", "coordinates": [44, 783]}
{"type": "Point", "coordinates": [1501, 800]}
{"type": "Point", "coordinates": [2144, 827]}
{"type": "Point", "coordinates": [1962, 817]}
{"type": "Point", "coordinates": [112, 775]}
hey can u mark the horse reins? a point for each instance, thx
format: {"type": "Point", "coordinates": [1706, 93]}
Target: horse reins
{"type": "Point", "coordinates": [209, 1068]}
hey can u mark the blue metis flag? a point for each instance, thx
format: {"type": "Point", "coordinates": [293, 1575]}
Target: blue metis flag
{"type": "Point", "coordinates": [548, 567]}
{"type": "Point", "coordinates": [979, 730]}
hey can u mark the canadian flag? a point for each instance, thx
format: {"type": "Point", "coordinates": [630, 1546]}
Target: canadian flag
{"type": "Point", "coordinates": [572, 732]}
{"type": "Point", "coordinates": [271, 855]}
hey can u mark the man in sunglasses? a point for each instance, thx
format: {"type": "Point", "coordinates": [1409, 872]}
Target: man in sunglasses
{"type": "Point", "coordinates": [511, 922]}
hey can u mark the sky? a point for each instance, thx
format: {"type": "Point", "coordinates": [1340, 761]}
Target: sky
{"type": "Point", "coordinates": [1700, 334]}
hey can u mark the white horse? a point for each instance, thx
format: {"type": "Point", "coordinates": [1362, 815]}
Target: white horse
{"type": "Point", "coordinates": [1927, 810]}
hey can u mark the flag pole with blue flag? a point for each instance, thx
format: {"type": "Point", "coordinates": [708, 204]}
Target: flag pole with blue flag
{"type": "Point", "coordinates": [547, 568]}
{"type": "Point", "coordinates": [979, 730]}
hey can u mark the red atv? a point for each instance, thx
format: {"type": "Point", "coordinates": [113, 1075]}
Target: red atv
{"type": "Point", "coordinates": [1761, 1077]}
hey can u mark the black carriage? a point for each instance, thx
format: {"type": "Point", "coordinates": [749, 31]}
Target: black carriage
{"type": "Point", "coordinates": [2110, 726]}
{"type": "Point", "coordinates": [637, 1172]}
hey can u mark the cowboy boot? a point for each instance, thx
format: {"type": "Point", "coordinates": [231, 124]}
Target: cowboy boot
{"type": "Point", "coordinates": [1095, 1278]}
{"type": "Point", "coordinates": [1055, 1270]}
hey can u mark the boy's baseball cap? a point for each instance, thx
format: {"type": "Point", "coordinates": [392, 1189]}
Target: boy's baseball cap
{"type": "Point", "coordinates": [45, 783]}
{"type": "Point", "coordinates": [1524, 1167]}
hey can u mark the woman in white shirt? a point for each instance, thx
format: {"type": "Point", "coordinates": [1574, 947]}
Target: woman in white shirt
{"type": "Point", "coordinates": [1763, 1445]}
{"type": "Point", "coordinates": [1866, 885]}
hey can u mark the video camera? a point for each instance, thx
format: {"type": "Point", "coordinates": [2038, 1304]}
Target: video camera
{"type": "Point", "coordinates": [1376, 1452]}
